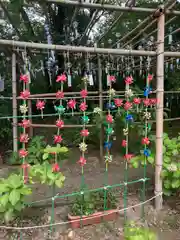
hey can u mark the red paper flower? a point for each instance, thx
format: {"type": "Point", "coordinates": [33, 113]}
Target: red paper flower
{"type": "Point", "coordinates": [109, 118]}
{"type": "Point", "coordinates": [25, 123]}
{"type": "Point", "coordinates": [24, 78]}
{"type": "Point", "coordinates": [112, 78]}
{"type": "Point", "coordinates": [57, 139]}
{"type": "Point", "coordinates": [128, 157]}
{"type": "Point", "coordinates": [82, 161]}
{"type": "Point", "coordinates": [124, 143]}
{"type": "Point", "coordinates": [153, 101]}
{"type": "Point", "coordinates": [24, 138]}
{"type": "Point", "coordinates": [84, 133]}
{"type": "Point", "coordinates": [150, 77]}
{"type": "Point", "coordinates": [84, 93]}
{"type": "Point", "coordinates": [60, 123]}
{"type": "Point", "coordinates": [118, 102]}
{"type": "Point", "coordinates": [71, 104]}
{"type": "Point", "coordinates": [25, 94]}
{"type": "Point", "coordinates": [145, 141]}
{"type": "Point", "coordinates": [83, 106]}
{"type": "Point", "coordinates": [129, 80]}
{"type": "Point", "coordinates": [61, 78]}
{"type": "Point", "coordinates": [23, 153]}
{"type": "Point", "coordinates": [40, 105]}
{"type": "Point", "coordinates": [127, 106]}
{"type": "Point", "coordinates": [146, 102]}
{"type": "Point", "coordinates": [137, 101]}
{"type": "Point", "coordinates": [55, 168]}
{"type": "Point", "coordinates": [59, 95]}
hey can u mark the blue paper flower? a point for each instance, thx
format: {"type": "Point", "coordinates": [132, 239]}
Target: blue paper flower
{"type": "Point", "coordinates": [110, 106]}
{"type": "Point", "coordinates": [129, 117]}
{"type": "Point", "coordinates": [147, 152]}
{"type": "Point", "coordinates": [147, 91]}
{"type": "Point", "coordinates": [107, 145]}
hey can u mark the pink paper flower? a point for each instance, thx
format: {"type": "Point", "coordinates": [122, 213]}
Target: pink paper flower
{"type": "Point", "coordinates": [57, 139]}
{"type": "Point", "coordinates": [128, 157]}
{"type": "Point", "coordinates": [129, 80]}
{"type": "Point", "coordinates": [61, 78]}
{"type": "Point", "coordinates": [153, 101]}
{"type": "Point", "coordinates": [124, 143]}
{"type": "Point", "coordinates": [118, 102]}
{"type": "Point", "coordinates": [24, 138]}
{"type": "Point", "coordinates": [82, 161]}
{"type": "Point", "coordinates": [147, 102]}
{"type": "Point", "coordinates": [23, 153]}
{"type": "Point", "coordinates": [24, 78]}
{"type": "Point", "coordinates": [60, 123]}
{"type": "Point", "coordinates": [71, 104]}
{"type": "Point", "coordinates": [150, 77]}
{"type": "Point", "coordinates": [127, 106]}
{"type": "Point", "coordinates": [145, 141]}
{"type": "Point", "coordinates": [25, 123]}
{"type": "Point", "coordinates": [83, 106]}
{"type": "Point", "coordinates": [55, 168]}
{"type": "Point", "coordinates": [84, 133]}
{"type": "Point", "coordinates": [84, 93]}
{"type": "Point", "coordinates": [25, 94]}
{"type": "Point", "coordinates": [60, 95]}
{"type": "Point", "coordinates": [112, 78]}
{"type": "Point", "coordinates": [109, 118]}
{"type": "Point", "coordinates": [40, 105]}
{"type": "Point", "coordinates": [137, 101]}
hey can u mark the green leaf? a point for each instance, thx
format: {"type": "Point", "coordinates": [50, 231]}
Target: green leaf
{"type": "Point", "coordinates": [8, 216]}
{"type": "Point", "coordinates": [45, 156]}
{"type": "Point", "coordinates": [15, 181]}
{"type": "Point", "coordinates": [135, 164]}
{"type": "Point", "coordinates": [175, 183]}
{"type": "Point", "coordinates": [176, 174]}
{"type": "Point", "coordinates": [25, 191]}
{"type": "Point", "coordinates": [167, 184]}
{"type": "Point", "coordinates": [4, 188]}
{"type": "Point", "coordinates": [60, 181]}
{"type": "Point", "coordinates": [167, 192]}
{"type": "Point", "coordinates": [2, 209]}
{"type": "Point", "coordinates": [4, 199]}
{"type": "Point", "coordinates": [175, 152]}
{"type": "Point", "coordinates": [18, 207]}
{"type": "Point", "coordinates": [150, 160]}
{"type": "Point", "coordinates": [167, 159]}
{"type": "Point", "coordinates": [14, 196]}
{"type": "Point", "coordinates": [164, 173]}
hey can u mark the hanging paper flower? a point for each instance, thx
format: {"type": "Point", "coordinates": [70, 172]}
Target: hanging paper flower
{"type": "Point", "coordinates": [147, 152]}
{"type": "Point", "coordinates": [84, 93]}
{"type": "Point", "coordinates": [83, 147]}
{"type": "Point", "coordinates": [109, 131]}
{"type": "Point", "coordinates": [110, 106]}
{"type": "Point", "coordinates": [82, 161]}
{"type": "Point", "coordinates": [61, 78]}
{"type": "Point", "coordinates": [60, 109]}
{"type": "Point", "coordinates": [97, 110]}
{"type": "Point", "coordinates": [23, 109]}
{"type": "Point", "coordinates": [108, 145]}
{"type": "Point", "coordinates": [23, 153]}
{"type": "Point", "coordinates": [145, 141]}
{"type": "Point", "coordinates": [60, 95]}
{"type": "Point", "coordinates": [118, 102]}
{"type": "Point", "coordinates": [125, 131]}
{"type": "Point", "coordinates": [83, 106]}
{"type": "Point", "coordinates": [108, 158]}
{"type": "Point", "coordinates": [24, 78]}
{"type": "Point", "coordinates": [85, 119]}
{"type": "Point", "coordinates": [112, 78]}
{"type": "Point", "coordinates": [127, 106]}
{"type": "Point", "coordinates": [147, 91]}
{"type": "Point", "coordinates": [109, 118]}
{"type": "Point", "coordinates": [129, 80]}
{"type": "Point", "coordinates": [147, 102]}
{"type": "Point", "coordinates": [71, 104]}
{"type": "Point", "coordinates": [129, 117]}
{"type": "Point", "coordinates": [153, 101]}
{"type": "Point", "coordinates": [111, 92]}
{"type": "Point", "coordinates": [147, 115]}
{"type": "Point", "coordinates": [57, 139]}
{"type": "Point", "coordinates": [84, 133]}
{"type": "Point", "coordinates": [25, 94]}
{"type": "Point", "coordinates": [40, 105]}
{"type": "Point", "coordinates": [55, 168]}
{"type": "Point", "coordinates": [24, 138]}
{"type": "Point", "coordinates": [128, 157]}
{"type": "Point", "coordinates": [129, 93]}
{"type": "Point", "coordinates": [150, 77]}
{"type": "Point", "coordinates": [137, 101]}
{"type": "Point", "coordinates": [60, 123]}
{"type": "Point", "coordinates": [25, 123]}
{"type": "Point", "coordinates": [124, 143]}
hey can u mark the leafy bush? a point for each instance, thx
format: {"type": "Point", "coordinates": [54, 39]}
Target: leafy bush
{"type": "Point", "coordinates": [13, 191]}
{"type": "Point", "coordinates": [90, 203]}
{"type": "Point", "coordinates": [134, 232]}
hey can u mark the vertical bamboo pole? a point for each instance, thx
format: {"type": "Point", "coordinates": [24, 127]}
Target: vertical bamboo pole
{"type": "Point", "coordinates": [100, 106]}
{"type": "Point", "coordinates": [14, 103]}
{"type": "Point", "coordinates": [159, 111]}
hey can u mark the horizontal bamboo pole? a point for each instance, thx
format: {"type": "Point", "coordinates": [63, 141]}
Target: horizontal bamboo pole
{"type": "Point", "coordinates": [54, 126]}
{"type": "Point", "coordinates": [110, 7]}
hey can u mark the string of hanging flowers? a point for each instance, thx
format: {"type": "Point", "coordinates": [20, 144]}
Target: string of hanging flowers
{"type": "Point", "coordinates": [25, 123]}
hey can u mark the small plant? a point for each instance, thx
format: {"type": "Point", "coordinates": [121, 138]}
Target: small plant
{"type": "Point", "coordinates": [90, 203]}
{"type": "Point", "coordinates": [12, 191]}
{"type": "Point", "coordinates": [61, 153]}
{"type": "Point", "coordinates": [134, 232]}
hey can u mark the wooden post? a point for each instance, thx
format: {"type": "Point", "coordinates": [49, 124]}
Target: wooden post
{"type": "Point", "coordinates": [14, 104]}
{"type": "Point", "coordinates": [100, 106]}
{"type": "Point", "coordinates": [159, 111]}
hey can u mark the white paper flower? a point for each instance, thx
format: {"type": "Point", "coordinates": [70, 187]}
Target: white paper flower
{"type": "Point", "coordinates": [111, 92]}
{"type": "Point", "coordinates": [108, 158]}
{"type": "Point", "coordinates": [23, 108]}
{"type": "Point", "coordinates": [125, 131]}
{"type": "Point", "coordinates": [97, 110]}
{"type": "Point", "coordinates": [83, 147]}
{"type": "Point", "coordinates": [129, 93]}
{"type": "Point", "coordinates": [147, 115]}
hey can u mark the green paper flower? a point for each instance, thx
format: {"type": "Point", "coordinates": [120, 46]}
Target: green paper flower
{"type": "Point", "coordinates": [109, 131]}
{"type": "Point", "coordinates": [85, 119]}
{"type": "Point", "coordinates": [59, 109]}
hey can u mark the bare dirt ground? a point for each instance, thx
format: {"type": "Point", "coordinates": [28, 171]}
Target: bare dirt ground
{"type": "Point", "coordinates": [166, 223]}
